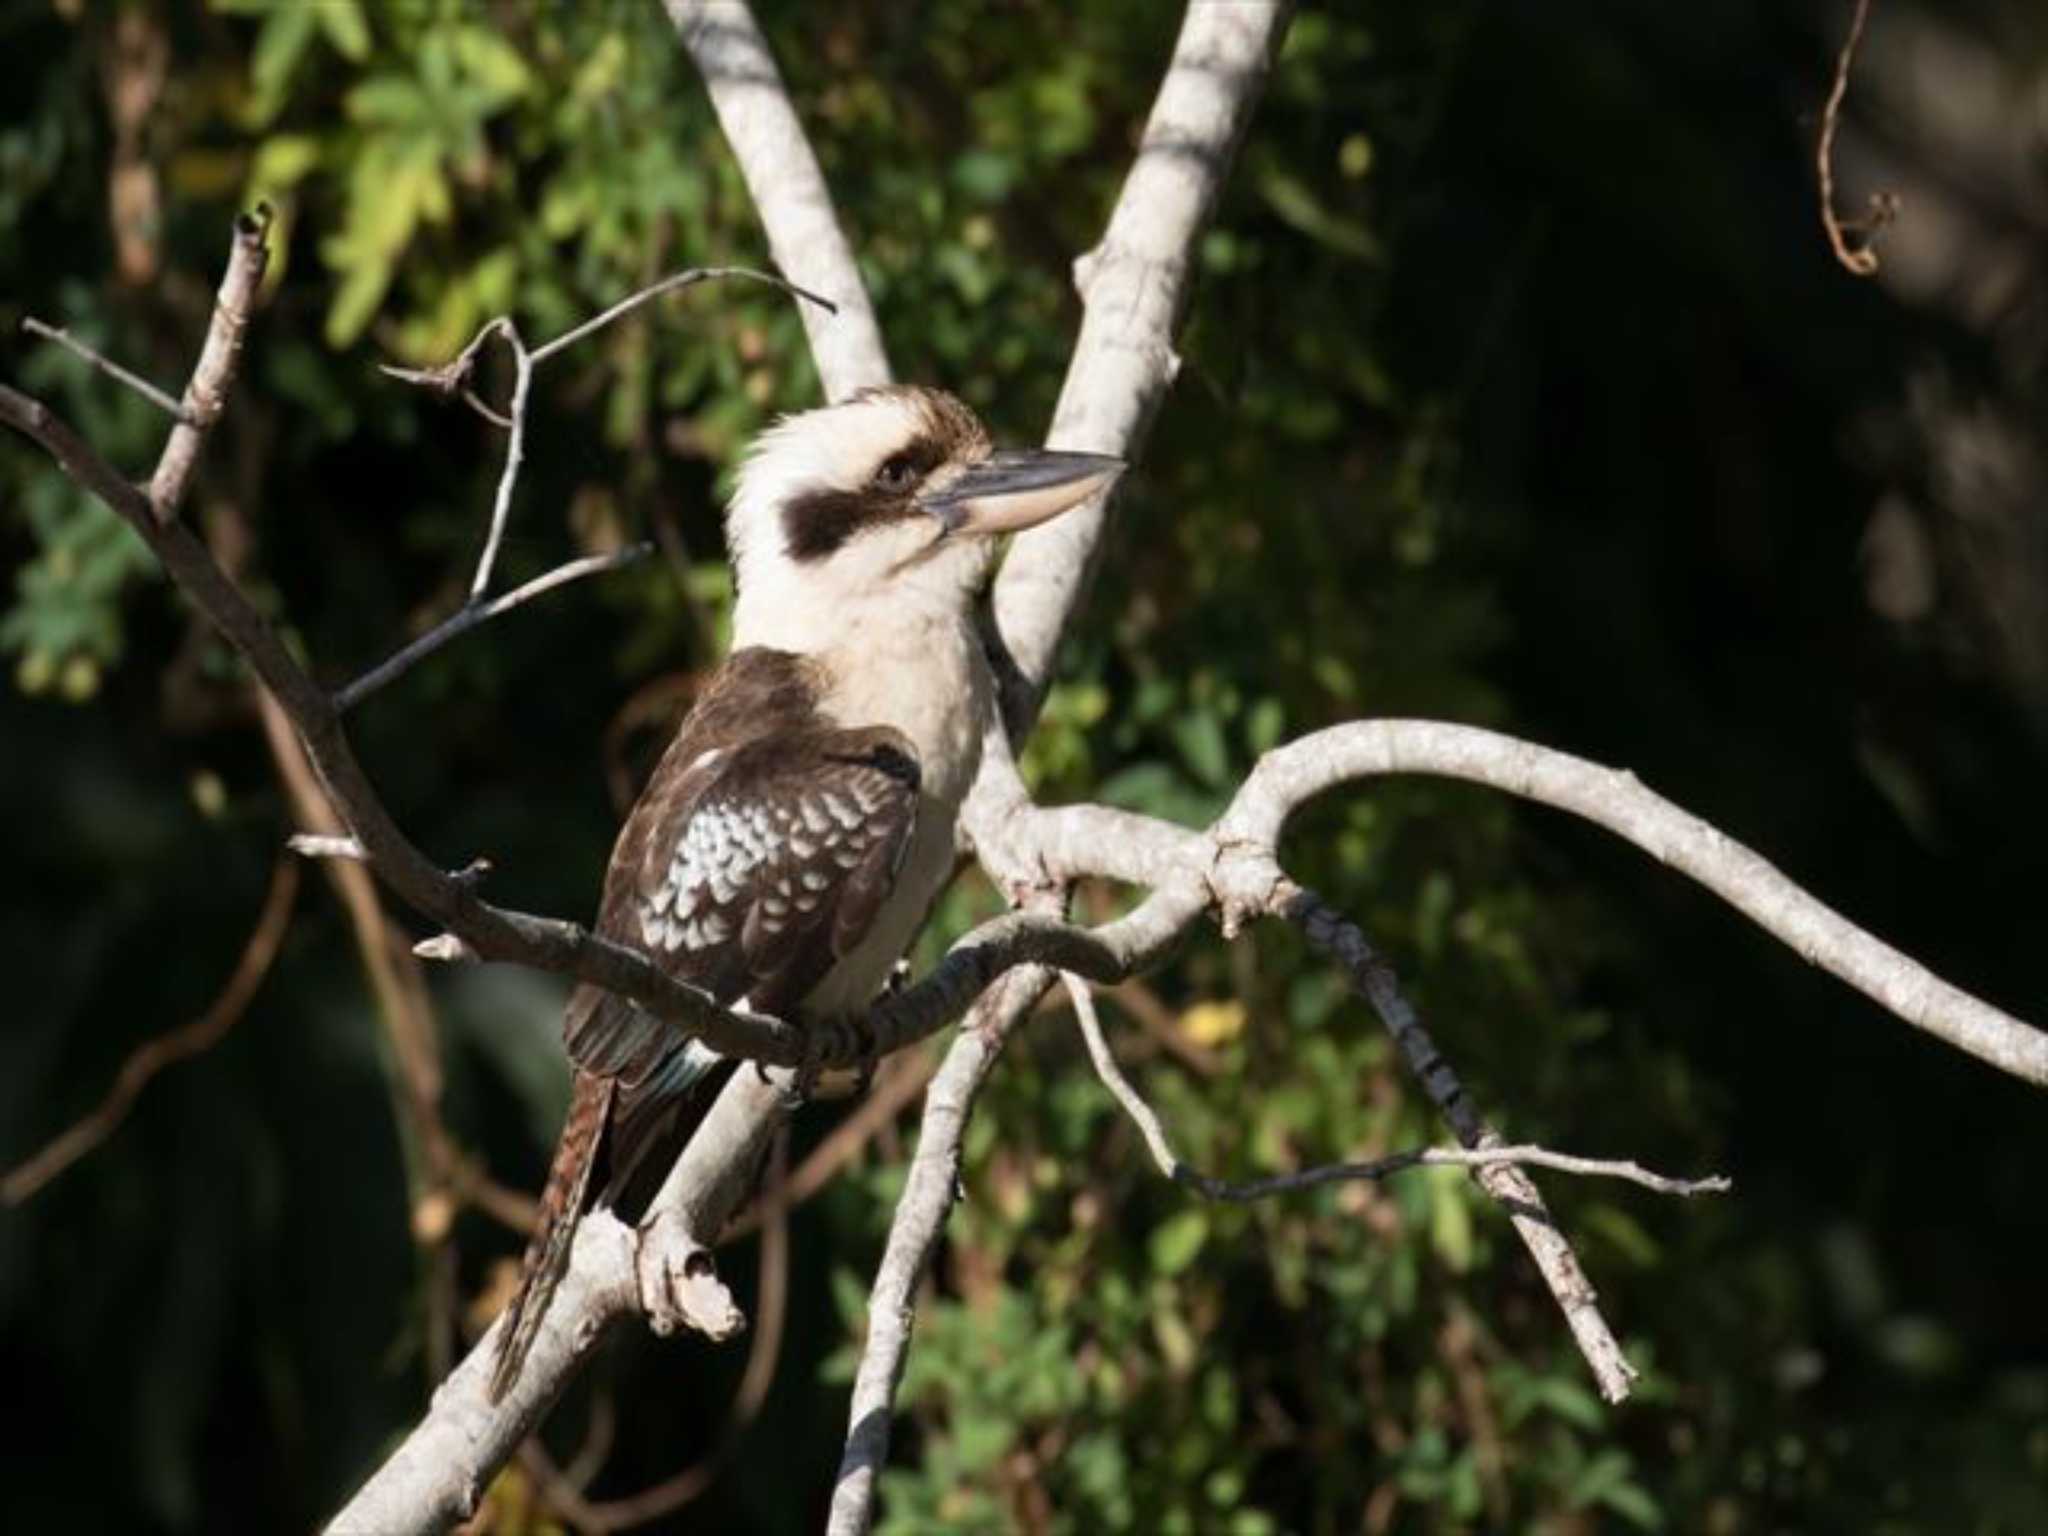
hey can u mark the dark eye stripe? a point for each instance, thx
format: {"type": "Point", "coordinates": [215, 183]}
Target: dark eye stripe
{"type": "Point", "coordinates": [816, 523]}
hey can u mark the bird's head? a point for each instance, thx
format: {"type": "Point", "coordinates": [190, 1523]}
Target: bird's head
{"type": "Point", "coordinates": [887, 503]}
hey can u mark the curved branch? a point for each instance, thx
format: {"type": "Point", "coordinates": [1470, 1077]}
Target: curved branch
{"type": "Point", "coordinates": [152, 1056]}
{"type": "Point", "coordinates": [1884, 206]}
{"type": "Point", "coordinates": [1617, 800]}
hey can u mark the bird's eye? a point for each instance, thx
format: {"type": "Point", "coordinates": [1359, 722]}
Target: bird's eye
{"type": "Point", "coordinates": [896, 474]}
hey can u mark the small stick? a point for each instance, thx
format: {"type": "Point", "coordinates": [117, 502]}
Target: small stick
{"type": "Point", "coordinates": [475, 612]}
{"type": "Point", "coordinates": [1884, 206]}
{"type": "Point", "coordinates": [452, 379]}
{"type": "Point", "coordinates": [113, 370]}
{"type": "Point", "coordinates": [321, 845]}
{"type": "Point", "coordinates": [671, 284]}
{"type": "Point", "coordinates": [1170, 1163]}
{"type": "Point", "coordinates": [515, 451]}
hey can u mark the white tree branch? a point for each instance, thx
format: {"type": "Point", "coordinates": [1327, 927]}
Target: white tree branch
{"type": "Point", "coordinates": [1070, 842]}
{"type": "Point", "coordinates": [782, 174]}
{"type": "Point", "coordinates": [921, 1212]}
{"type": "Point", "coordinates": [1134, 286]}
{"type": "Point", "coordinates": [789, 192]}
{"type": "Point", "coordinates": [1618, 801]}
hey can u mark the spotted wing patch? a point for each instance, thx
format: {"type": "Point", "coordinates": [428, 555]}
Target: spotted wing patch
{"type": "Point", "coordinates": [758, 862]}
{"type": "Point", "coordinates": [754, 883]}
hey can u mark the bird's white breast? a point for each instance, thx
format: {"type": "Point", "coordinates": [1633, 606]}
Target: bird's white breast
{"type": "Point", "coordinates": [927, 678]}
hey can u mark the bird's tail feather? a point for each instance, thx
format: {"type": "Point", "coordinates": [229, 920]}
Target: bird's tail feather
{"type": "Point", "coordinates": [561, 1207]}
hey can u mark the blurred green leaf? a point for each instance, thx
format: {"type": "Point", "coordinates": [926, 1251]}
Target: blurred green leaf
{"type": "Point", "coordinates": [1177, 1240]}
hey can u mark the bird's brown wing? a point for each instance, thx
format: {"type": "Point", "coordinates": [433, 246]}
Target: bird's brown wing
{"type": "Point", "coordinates": [770, 865]}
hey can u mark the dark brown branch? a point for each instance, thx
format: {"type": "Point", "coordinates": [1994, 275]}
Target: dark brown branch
{"type": "Point", "coordinates": [151, 1057]}
{"type": "Point", "coordinates": [1333, 934]}
{"type": "Point", "coordinates": [1861, 258]}
{"type": "Point", "coordinates": [489, 932]}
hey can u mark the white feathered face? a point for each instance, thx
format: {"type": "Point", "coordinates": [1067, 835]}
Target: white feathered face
{"type": "Point", "coordinates": [892, 497]}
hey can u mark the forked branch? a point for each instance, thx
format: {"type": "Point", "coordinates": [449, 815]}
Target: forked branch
{"type": "Point", "coordinates": [1171, 1164]}
{"type": "Point", "coordinates": [457, 380]}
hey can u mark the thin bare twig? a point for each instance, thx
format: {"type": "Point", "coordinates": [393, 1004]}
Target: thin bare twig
{"type": "Point", "coordinates": [321, 845]}
{"type": "Point", "coordinates": [453, 379]}
{"type": "Point", "coordinates": [1860, 259]}
{"type": "Point", "coordinates": [515, 452]}
{"type": "Point", "coordinates": [202, 1034]}
{"type": "Point", "coordinates": [113, 370]}
{"type": "Point", "coordinates": [672, 284]}
{"type": "Point", "coordinates": [477, 403]}
{"type": "Point", "coordinates": [1170, 1163]}
{"type": "Point", "coordinates": [479, 610]}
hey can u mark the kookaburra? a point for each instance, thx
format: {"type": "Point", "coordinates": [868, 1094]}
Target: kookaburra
{"type": "Point", "coordinates": [784, 851]}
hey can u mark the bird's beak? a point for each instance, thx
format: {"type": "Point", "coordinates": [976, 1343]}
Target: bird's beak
{"type": "Point", "coordinates": [1019, 488]}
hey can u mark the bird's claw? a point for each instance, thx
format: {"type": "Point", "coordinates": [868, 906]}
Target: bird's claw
{"type": "Point", "coordinates": [809, 1067]}
{"type": "Point", "coordinates": [870, 1058]}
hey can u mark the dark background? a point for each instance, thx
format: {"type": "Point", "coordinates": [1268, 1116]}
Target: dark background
{"type": "Point", "coordinates": [1522, 389]}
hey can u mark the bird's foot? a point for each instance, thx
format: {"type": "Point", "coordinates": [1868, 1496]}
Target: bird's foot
{"type": "Point", "coordinates": [810, 1066]}
{"type": "Point", "coordinates": [870, 1058]}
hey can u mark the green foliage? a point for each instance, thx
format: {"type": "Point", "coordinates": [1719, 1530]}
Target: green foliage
{"type": "Point", "coordinates": [64, 624]}
{"type": "Point", "coordinates": [1436, 448]}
